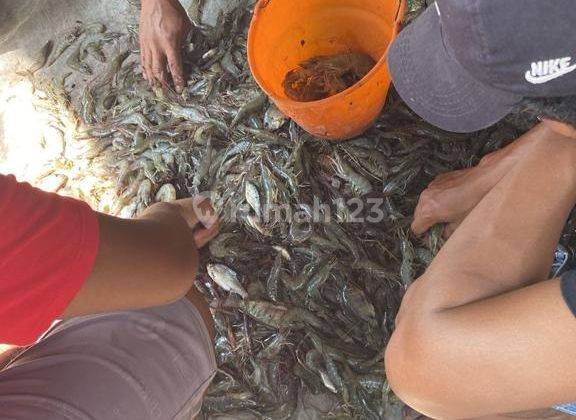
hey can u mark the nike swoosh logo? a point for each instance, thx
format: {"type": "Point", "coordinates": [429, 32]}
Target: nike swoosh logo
{"type": "Point", "coordinates": [538, 80]}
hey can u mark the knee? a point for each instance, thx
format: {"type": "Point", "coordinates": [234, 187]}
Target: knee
{"type": "Point", "coordinates": [419, 370]}
{"type": "Point", "coordinates": [405, 367]}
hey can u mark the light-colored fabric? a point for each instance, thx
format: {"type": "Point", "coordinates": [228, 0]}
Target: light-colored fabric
{"type": "Point", "coordinates": [567, 409]}
{"type": "Point", "coordinates": [152, 364]}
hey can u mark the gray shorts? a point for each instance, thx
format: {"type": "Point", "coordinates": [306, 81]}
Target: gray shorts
{"type": "Point", "coordinates": [151, 364]}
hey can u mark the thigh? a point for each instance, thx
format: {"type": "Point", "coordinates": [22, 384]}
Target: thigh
{"type": "Point", "coordinates": [149, 364]}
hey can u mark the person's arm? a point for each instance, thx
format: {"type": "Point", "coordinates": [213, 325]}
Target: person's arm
{"type": "Point", "coordinates": [58, 258]}
{"type": "Point", "coordinates": [483, 331]}
{"type": "Point", "coordinates": [145, 262]}
{"type": "Point", "coordinates": [163, 26]}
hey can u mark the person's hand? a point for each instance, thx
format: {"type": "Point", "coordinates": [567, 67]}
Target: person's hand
{"type": "Point", "coordinates": [200, 217]}
{"type": "Point", "coordinates": [195, 213]}
{"type": "Point", "coordinates": [163, 26]}
{"type": "Point", "coordinates": [448, 199]}
{"type": "Point", "coordinates": [453, 195]}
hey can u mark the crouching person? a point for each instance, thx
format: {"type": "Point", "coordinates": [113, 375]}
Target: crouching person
{"type": "Point", "coordinates": [486, 330]}
{"type": "Point", "coordinates": [102, 312]}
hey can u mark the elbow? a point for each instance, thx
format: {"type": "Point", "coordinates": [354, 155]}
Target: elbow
{"type": "Point", "coordinates": [181, 276]}
{"type": "Point", "coordinates": [420, 373]}
{"type": "Point", "coordinates": [178, 286]}
{"type": "Point", "coordinates": [177, 272]}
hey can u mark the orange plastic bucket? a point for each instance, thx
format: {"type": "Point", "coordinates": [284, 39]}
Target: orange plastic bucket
{"type": "Point", "coordinates": [284, 33]}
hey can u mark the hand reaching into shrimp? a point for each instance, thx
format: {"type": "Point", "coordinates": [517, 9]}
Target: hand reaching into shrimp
{"type": "Point", "coordinates": [164, 25]}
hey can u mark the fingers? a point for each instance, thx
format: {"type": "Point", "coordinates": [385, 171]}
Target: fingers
{"type": "Point", "coordinates": [200, 213]}
{"type": "Point", "coordinates": [159, 68]}
{"type": "Point", "coordinates": [206, 215]}
{"type": "Point", "coordinates": [146, 57]}
{"type": "Point", "coordinates": [197, 210]}
{"type": "Point", "coordinates": [421, 224]}
{"type": "Point", "coordinates": [175, 66]}
{"type": "Point", "coordinates": [146, 65]}
{"type": "Point", "coordinates": [163, 27]}
{"type": "Point", "coordinates": [157, 62]}
{"type": "Point", "coordinates": [187, 208]}
{"type": "Point", "coordinates": [426, 214]}
{"type": "Point", "coordinates": [446, 177]}
{"type": "Point", "coordinates": [201, 218]}
{"type": "Point", "coordinates": [204, 235]}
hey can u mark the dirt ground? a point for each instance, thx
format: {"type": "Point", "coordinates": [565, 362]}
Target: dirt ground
{"type": "Point", "coordinates": [25, 26]}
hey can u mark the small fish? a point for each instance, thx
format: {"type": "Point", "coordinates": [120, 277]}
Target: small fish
{"type": "Point", "coordinates": [226, 278]}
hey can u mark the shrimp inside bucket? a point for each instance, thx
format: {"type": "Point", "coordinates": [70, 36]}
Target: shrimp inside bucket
{"type": "Point", "coordinates": [324, 76]}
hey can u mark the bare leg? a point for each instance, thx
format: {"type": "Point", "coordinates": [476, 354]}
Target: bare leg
{"type": "Point", "coordinates": [472, 339]}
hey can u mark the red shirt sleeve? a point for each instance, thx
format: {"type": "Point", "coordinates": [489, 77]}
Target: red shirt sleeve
{"type": "Point", "coordinates": [48, 245]}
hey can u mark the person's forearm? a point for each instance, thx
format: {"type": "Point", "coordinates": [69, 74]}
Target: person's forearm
{"type": "Point", "coordinates": [494, 241]}
{"type": "Point", "coordinates": [140, 263]}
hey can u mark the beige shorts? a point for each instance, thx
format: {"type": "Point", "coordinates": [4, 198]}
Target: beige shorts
{"type": "Point", "coordinates": [151, 364]}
